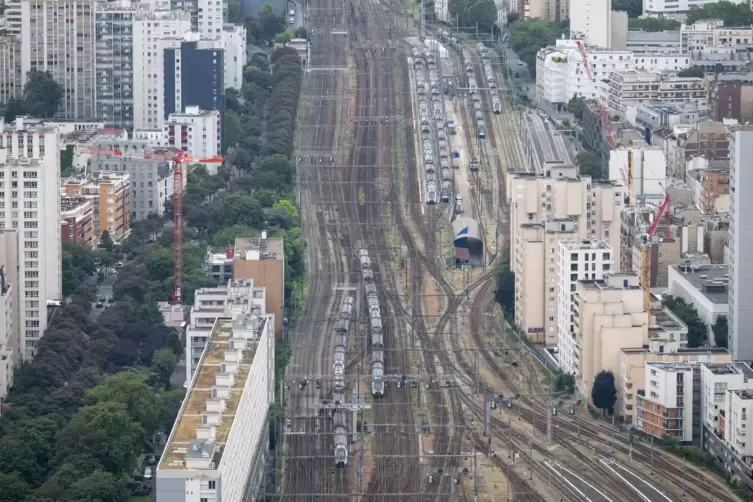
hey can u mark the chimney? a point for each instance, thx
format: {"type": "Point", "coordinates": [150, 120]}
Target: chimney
{"type": "Point", "coordinates": [229, 252]}
{"type": "Point", "coordinates": [263, 234]}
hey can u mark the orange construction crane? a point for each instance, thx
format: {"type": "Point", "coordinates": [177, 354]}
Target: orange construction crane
{"type": "Point", "coordinates": [179, 158]}
{"type": "Point", "coordinates": [646, 253]}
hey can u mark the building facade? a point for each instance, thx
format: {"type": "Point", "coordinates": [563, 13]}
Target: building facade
{"type": "Point", "coordinates": [77, 221]}
{"type": "Point", "coordinates": [11, 78]}
{"type": "Point", "coordinates": [578, 260]}
{"type": "Point", "coordinates": [740, 240]}
{"type": "Point", "coordinates": [710, 34]}
{"type": "Point", "coordinates": [148, 64]}
{"type": "Point", "coordinates": [59, 36]}
{"type": "Point", "coordinates": [110, 194]}
{"type": "Point", "coordinates": [198, 132]}
{"type": "Point", "coordinates": [218, 447]}
{"type": "Point", "coordinates": [591, 20]}
{"type": "Point", "coordinates": [732, 100]}
{"type": "Point", "coordinates": [235, 57]}
{"type": "Point", "coordinates": [666, 406]}
{"type": "Point", "coordinates": [8, 335]}
{"type": "Point", "coordinates": [705, 287]}
{"type": "Point", "coordinates": [644, 167]}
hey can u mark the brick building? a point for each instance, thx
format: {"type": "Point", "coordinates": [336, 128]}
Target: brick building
{"type": "Point", "coordinates": [77, 221]}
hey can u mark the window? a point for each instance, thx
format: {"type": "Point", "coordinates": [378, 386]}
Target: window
{"type": "Point", "coordinates": [212, 485]}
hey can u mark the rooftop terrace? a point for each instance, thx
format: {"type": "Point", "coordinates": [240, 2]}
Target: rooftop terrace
{"type": "Point", "coordinates": [206, 418]}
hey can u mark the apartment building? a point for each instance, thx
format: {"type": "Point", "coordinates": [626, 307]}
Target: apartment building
{"type": "Point", "coordinates": [549, 10]}
{"type": "Point", "coordinates": [218, 447]}
{"type": "Point", "coordinates": [110, 194]}
{"type": "Point", "coordinates": [148, 64]}
{"type": "Point", "coordinates": [608, 315]}
{"type": "Point", "coordinates": [560, 74]}
{"type": "Point", "coordinates": [662, 62]}
{"type": "Point", "coordinates": [8, 335]}
{"type": "Point", "coordinates": [705, 287]}
{"type": "Point", "coordinates": [231, 299]}
{"type": "Point", "coordinates": [10, 347]}
{"type": "Point", "coordinates": [193, 74]}
{"type": "Point", "coordinates": [198, 132]}
{"type": "Point", "coordinates": [262, 259]}
{"type": "Point", "coordinates": [578, 260]}
{"type": "Point", "coordinates": [210, 18]}
{"type": "Point", "coordinates": [670, 404]}
{"type": "Point", "coordinates": [674, 6]}
{"type": "Point", "coordinates": [442, 10]}
{"type": "Point", "coordinates": [740, 240]}
{"type": "Point", "coordinates": [732, 99]}
{"type": "Point", "coordinates": [710, 34]}
{"type": "Point", "coordinates": [680, 144]}
{"type": "Point", "coordinates": [639, 87]}
{"type": "Point", "coordinates": [650, 118]}
{"type": "Point", "coordinates": [591, 20]}
{"type": "Point", "coordinates": [218, 264]}
{"type": "Point", "coordinates": [11, 78]}
{"type": "Point", "coordinates": [77, 221]}
{"type": "Point", "coordinates": [716, 380]}
{"type": "Point", "coordinates": [644, 167]}
{"type": "Point", "coordinates": [234, 41]}
{"type": "Point", "coordinates": [59, 36]}
{"type": "Point", "coordinates": [708, 181]}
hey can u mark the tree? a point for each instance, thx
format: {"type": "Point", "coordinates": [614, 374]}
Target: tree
{"type": "Point", "coordinates": [576, 106]}
{"type": "Point", "coordinates": [732, 14]}
{"type": "Point", "coordinates": [693, 71]}
{"type": "Point", "coordinates": [13, 488]}
{"type": "Point", "coordinates": [163, 364]}
{"type": "Point", "coordinates": [512, 17]}
{"type": "Point", "coordinates": [634, 8]}
{"type": "Point", "coordinates": [653, 24]}
{"type": "Point", "coordinates": [15, 107]}
{"type": "Point", "coordinates": [42, 94]}
{"type": "Point", "coordinates": [98, 486]}
{"type": "Point", "coordinates": [232, 129]}
{"type": "Point", "coordinates": [697, 329]}
{"type": "Point", "coordinates": [132, 391]}
{"type": "Point", "coordinates": [589, 165]}
{"type": "Point", "coordinates": [721, 331]}
{"type": "Point", "coordinates": [604, 392]}
{"type": "Point", "coordinates": [103, 431]}
{"type": "Point", "coordinates": [528, 37]}
{"type": "Point", "coordinates": [301, 33]}
{"type": "Point", "coordinates": [564, 382]}
{"type": "Point", "coordinates": [106, 241]}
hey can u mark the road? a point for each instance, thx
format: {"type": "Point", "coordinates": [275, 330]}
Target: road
{"type": "Point", "coordinates": [104, 290]}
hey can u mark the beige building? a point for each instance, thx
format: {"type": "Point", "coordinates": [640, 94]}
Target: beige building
{"type": "Point", "coordinates": [545, 210]}
{"type": "Point", "coordinates": [262, 259]}
{"type": "Point", "coordinates": [608, 316]}
{"type": "Point", "coordinates": [10, 341]}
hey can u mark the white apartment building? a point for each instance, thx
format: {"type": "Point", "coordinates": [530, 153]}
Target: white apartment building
{"type": "Point", "coordinates": [666, 406]}
{"type": "Point", "coordinates": [442, 10]}
{"type": "Point", "coordinates": [660, 62]}
{"type": "Point", "coordinates": [210, 18]}
{"type": "Point", "coordinates": [705, 287]}
{"type": "Point", "coordinates": [716, 380]}
{"type": "Point", "coordinates": [645, 168]}
{"type": "Point", "coordinates": [632, 88]}
{"type": "Point", "coordinates": [591, 20]}
{"type": "Point", "coordinates": [548, 209]}
{"type": "Point", "coordinates": [218, 447]}
{"type": "Point", "coordinates": [198, 132]}
{"type": "Point", "coordinates": [740, 243]}
{"type": "Point", "coordinates": [560, 73]}
{"type": "Point", "coordinates": [13, 17]}
{"type": "Point", "coordinates": [59, 36]}
{"type": "Point", "coordinates": [8, 333]}
{"type": "Point", "coordinates": [148, 63]}
{"type": "Point", "coordinates": [230, 300]}
{"type": "Point", "coordinates": [578, 261]}
{"type": "Point", "coordinates": [676, 6]}
{"type": "Point", "coordinates": [738, 420]}
{"type": "Point", "coordinates": [710, 34]}
{"type": "Point", "coordinates": [608, 316]}
{"type": "Point", "coordinates": [11, 79]}
{"type": "Point", "coordinates": [234, 41]}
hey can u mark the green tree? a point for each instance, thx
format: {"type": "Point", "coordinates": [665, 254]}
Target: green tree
{"type": "Point", "coordinates": [159, 262]}
{"type": "Point", "coordinates": [106, 241]}
{"type": "Point", "coordinates": [576, 106]}
{"type": "Point", "coordinates": [512, 17]}
{"type": "Point", "coordinates": [528, 37]}
{"type": "Point", "coordinates": [564, 382]}
{"type": "Point", "coordinates": [97, 487]}
{"type": "Point", "coordinates": [721, 331]}
{"type": "Point", "coordinates": [634, 8]}
{"type": "Point", "coordinates": [163, 364]}
{"type": "Point", "coordinates": [13, 488]}
{"type": "Point", "coordinates": [42, 94]}
{"type": "Point", "coordinates": [232, 129]}
{"type": "Point", "coordinates": [604, 392]}
{"type": "Point", "coordinates": [732, 14]}
{"type": "Point", "coordinates": [132, 391]}
{"type": "Point", "coordinates": [693, 71]}
{"type": "Point", "coordinates": [589, 165]}
{"type": "Point", "coordinates": [697, 329]}
{"type": "Point", "coordinates": [103, 431]}
{"type": "Point", "coordinates": [15, 107]}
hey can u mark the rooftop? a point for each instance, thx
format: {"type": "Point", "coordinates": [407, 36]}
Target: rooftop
{"type": "Point", "coordinates": [664, 321]}
{"type": "Point", "coordinates": [673, 366]}
{"type": "Point", "coordinates": [73, 203]}
{"type": "Point", "coordinates": [743, 394]}
{"type": "Point", "coordinates": [680, 351]}
{"type": "Point", "coordinates": [710, 280]}
{"type": "Point", "coordinates": [194, 111]}
{"type": "Point", "coordinates": [584, 244]}
{"type": "Point", "coordinates": [636, 37]}
{"type": "Point", "coordinates": [259, 248]}
{"type": "Point", "coordinates": [736, 368]}
{"type": "Point", "coordinates": [205, 420]}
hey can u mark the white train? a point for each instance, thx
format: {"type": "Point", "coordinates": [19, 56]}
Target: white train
{"type": "Point", "coordinates": [339, 359]}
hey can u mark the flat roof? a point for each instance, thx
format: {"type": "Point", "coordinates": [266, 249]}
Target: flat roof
{"type": "Point", "coordinates": [183, 443]}
{"type": "Point", "coordinates": [664, 320]}
{"type": "Point", "coordinates": [271, 245]}
{"type": "Point", "coordinates": [639, 36]}
{"type": "Point", "coordinates": [712, 281]}
{"type": "Point", "coordinates": [736, 368]}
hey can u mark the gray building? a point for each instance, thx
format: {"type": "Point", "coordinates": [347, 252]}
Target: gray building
{"type": "Point", "coordinates": [740, 243]}
{"type": "Point", "coordinates": [114, 52]}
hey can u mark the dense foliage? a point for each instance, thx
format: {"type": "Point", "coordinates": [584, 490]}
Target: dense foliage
{"type": "Point", "coordinates": [41, 97]}
{"type": "Point", "coordinates": [589, 165]}
{"type": "Point", "coordinates": [530, 36]}
{"type": "Point", "coordinates": [693, 71]}
{"type": "Point", "coordinates": [697, 329]}
{"type": "Point", "coordinates": [604, 392]}
{"type": "Point", "coordinates": [472, 14]}
{"type": "Point", "coordinates": [732, 14]}
{"type": "Point", "coordinates": [97, 398]}
{"type": "Point", "coordinates": [721, 331]}
{"type": "Point", "coordinates": [634, 8]}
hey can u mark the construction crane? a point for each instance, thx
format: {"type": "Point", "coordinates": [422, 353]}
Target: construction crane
{"type": "Point", "coordinates": [646, 253]}
{"type": "Point", "coordinates": [179, 158]}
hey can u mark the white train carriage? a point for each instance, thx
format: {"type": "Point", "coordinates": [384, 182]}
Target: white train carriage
{"type": "Point", "coordinates": [341, 326]}
{"type": "Point", "coordinates": [347, 307]}
{"type": "Point", "coordinates": [363, 257]}
{"type": "Point", "coordinates": [367, 275]}
{"type": "Point", "coordinates": [377, 379]}
{"type": "Point", "coordinates": [446, 175]}
{"type": "Point", "coordinates": [375, 323]}
{"type": "Point", "coordinates": [341, 446]}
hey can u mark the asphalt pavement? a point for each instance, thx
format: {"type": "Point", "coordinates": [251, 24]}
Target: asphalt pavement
{"type": "Point", "coordinates": [104, 290]}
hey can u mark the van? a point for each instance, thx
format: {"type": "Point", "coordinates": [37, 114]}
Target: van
{"type": "Point", "coordinates": [292, 13]}
{"type": "Point", "coordinates": [291, 20]}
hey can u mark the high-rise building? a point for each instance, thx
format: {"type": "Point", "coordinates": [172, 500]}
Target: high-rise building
{"type": "Point", "coordinates": [10, 343]}
{"type": "Point", "coordinates": [59, 36]}
{"type": "Point", "coordinates": [110, 196]}
{"type": "Point", "coordinates": [13, 17]}
{"type": "Point", "coordinates": [591, 20]}
{"type": "Point", "coordinates": [578, 261]}
{"type": "Point", "coordinates": [210, 18]}
{"type": "Point", "coordinates": [11, 79]}
{"type": "Point", "coordinates": [149, 67]}
{"type": "Point", "coordinates": [114, 51]}
{"type": "Point", "coordinates": [195, 131]}
{"type": "Point", "coordinates": [234, 41]}
{"type": "Point", "coordinates": [194, 74]}
{"type": "Point", "coordinates": [30, 182]}
{"type": "Point", "coordinates": [740, 243]}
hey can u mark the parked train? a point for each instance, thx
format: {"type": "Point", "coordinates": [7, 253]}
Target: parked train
{"type": "Point", "coordinates": [375, 324]}
{"type": "Point", "coordinates": [338, 381]}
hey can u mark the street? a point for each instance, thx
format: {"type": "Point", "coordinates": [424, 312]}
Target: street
{"type": "Point", "coordinates": [104, 290]}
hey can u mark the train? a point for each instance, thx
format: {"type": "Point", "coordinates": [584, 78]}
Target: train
{"type": "Point", "coordinates": [375, 324]}
{"type": "Point", "coordinates": [338, 380]}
